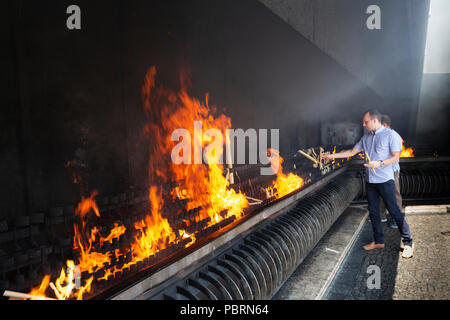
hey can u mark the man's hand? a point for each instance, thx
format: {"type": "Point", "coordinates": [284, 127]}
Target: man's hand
{"type": "Point", "coordinates": [373, 164]}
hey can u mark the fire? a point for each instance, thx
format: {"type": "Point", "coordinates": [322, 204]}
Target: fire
{"type": "Point", "coordinates": [202, 185]}
{"type": "Point", "coordinates": [89, 259]}
{"type": "Point", "coordinates": [116, 232]}
{"type": "Point", "coordinates": [40, 291]}
{"type": "Point", "coordinates": [284, 184]}
{"type": "Point", "coordinates": [221, 197]}
{"type": "Point", "coordinates": [156, 231]}
{"type": "Point", "coordinates": [86, 205]}
{"type": "Point", "coordinates": [186, 235]}
{"type": "Point", "coordinates": [66, 283]}
{"type": "Point", "coordinates": [406, 152]}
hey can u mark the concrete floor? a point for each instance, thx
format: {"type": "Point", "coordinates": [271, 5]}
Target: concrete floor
{"type": "Point", "coordinates": [338, 268]}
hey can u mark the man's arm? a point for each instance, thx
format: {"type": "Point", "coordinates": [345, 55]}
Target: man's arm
{"type": "Point", "coordinates": [342, 154]}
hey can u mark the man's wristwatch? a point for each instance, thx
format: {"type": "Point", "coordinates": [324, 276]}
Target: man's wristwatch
{"type": "Point", "coordinates": [381, 163]}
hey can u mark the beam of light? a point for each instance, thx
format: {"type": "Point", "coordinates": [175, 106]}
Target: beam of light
{"type": "Point", "coordinates": [437, 50]}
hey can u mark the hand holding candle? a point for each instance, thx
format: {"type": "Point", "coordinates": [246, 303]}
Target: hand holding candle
{"type": "Point", "coordinates": [367, 165]}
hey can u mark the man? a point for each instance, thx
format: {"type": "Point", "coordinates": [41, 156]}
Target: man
{"type": "Point", "coordinates": [382, 151]}
{"type": "Point", "coordinates": [386, 122]}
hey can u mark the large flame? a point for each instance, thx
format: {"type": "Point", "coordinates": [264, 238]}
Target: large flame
{"type": "Point", "coordinates": [202, 185]}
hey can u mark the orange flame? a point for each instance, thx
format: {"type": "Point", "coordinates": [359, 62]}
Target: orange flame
{"type": "Point", "coordinates": [89, 259]}
{"type": "Point", "coordinates": [202, 185]}
{"type": "Point", "coordinates": [156, 231]}
{"type": "Point", "coordinates": [406, 152]}
{"type": "Point", "coordinates": [66, 283]}
{"type": "Point", "coordinates": [86, 205]}
{"type": "Point", "coordinates": [40, 291]}
{"type": "Point", "coordinates": [116, 232]}
{"type": "Point", "coordinates": [221, 197]}
{"type": "Point", "coordinates": [284, 184]}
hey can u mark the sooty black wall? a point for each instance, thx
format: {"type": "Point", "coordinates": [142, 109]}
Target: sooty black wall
{"type": "Point", "coordinates": [75, 95]}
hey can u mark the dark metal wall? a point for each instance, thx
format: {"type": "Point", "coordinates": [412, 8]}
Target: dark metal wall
{"type": "Point", "coordinates": [76, 94]}
{"type": "Point", "coordinates": [389, 60]}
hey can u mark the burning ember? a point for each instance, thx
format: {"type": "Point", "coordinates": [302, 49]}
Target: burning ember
{"type": "Point", "coordinates": [406, 152]}
{"type": "Point", "coordinates": [284, 184]}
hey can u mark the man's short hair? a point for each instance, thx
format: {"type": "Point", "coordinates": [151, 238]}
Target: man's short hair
{"type": "Point", "coordinates": [385, 119]}
{"type": "Point", "coordinates": [374, 113]}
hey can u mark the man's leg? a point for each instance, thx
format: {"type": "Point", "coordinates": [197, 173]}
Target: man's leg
{"type": "Point", "coordinates": [398, 194]}
{"type": "Point", "coordinates": [373, 200]}
{"type": "Point", "coordinates": [383, 213]}
{"type": "Point", "coordinates": [387, 192]}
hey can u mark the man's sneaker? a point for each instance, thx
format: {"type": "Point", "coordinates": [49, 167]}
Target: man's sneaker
{"type": "Point", "coordinates": [408, 251]}
{"type": "Point", "coordinates": [393, 225]}
{"type": "Point", "coordinates": [382, 220]}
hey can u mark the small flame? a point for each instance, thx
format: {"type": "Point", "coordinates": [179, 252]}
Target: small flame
{"type": "Point", "coordinates": [116, 232]}
{"type": "Point", "coordinates": [66, 283]}
{"type": "Point", "coordinates": [40, 291]}
{"type": "Point", "coordinates": [284, 184]}
{"type": "Point", "coordinates": [406, 152]}
{"type": "Point", "coordinates": [86, 205]}
{"type": "Point", "coordinates": [186, 235]}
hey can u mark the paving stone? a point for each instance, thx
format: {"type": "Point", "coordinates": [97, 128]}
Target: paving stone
{"type": "Point", "coordinates": [425, 276]}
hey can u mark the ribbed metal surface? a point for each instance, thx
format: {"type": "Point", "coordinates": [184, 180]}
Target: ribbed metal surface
{"type": "Point", "coordinates": [417, 183]}
{"type": "Point", "coordinates": [260, 263]}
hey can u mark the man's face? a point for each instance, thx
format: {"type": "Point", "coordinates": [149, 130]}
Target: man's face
{"type": "Point", "coordinates": [369, 124]}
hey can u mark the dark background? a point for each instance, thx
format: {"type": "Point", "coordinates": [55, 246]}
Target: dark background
{"type": "Point", "coordinates": [291, 65]}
